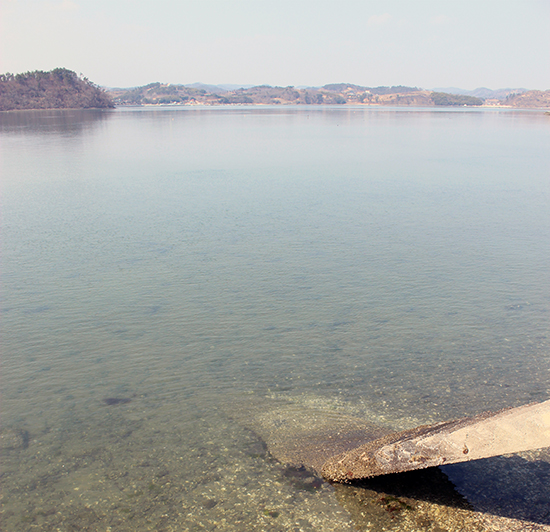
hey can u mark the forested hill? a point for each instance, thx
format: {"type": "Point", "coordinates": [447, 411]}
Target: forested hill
{"type": "Point", "coordinates": [529, 100]}
{"type": "Point", "coordinates": [336, 93]}
{"type": "Point", "coordinates": [332, 94]}
{"type": "Point", "coordinates": [57, 89]}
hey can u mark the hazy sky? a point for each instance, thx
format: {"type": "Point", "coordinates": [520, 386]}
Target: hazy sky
{"type": "Point", "coordinates": [424, 43]}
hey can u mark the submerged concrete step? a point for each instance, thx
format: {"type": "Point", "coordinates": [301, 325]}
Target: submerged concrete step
{"type": "Point", "coordinates": [489, 434]}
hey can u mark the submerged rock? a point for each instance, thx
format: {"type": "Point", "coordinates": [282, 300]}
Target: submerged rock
{"type": "Point", "coordinates": [11, 439]}
{"type": "Point", "coordinates": [113, 401]}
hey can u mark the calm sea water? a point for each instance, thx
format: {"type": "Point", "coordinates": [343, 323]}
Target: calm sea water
{"type": "Point", "coordinates": [169, 275]}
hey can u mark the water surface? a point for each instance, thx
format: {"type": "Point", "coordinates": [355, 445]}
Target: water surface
{"type": "Point", "coordinates": [169, 274]}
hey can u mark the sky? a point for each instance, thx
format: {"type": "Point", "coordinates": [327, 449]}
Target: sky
{"type": "Point", "coordinates": [422, 43]}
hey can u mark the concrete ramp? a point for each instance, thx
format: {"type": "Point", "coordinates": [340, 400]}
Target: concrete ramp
{"type": "Point", "coordinates": [489, 434]}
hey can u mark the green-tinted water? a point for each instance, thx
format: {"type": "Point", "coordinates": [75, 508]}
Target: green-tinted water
{"type": "Point", "coordinates": [171, 277]}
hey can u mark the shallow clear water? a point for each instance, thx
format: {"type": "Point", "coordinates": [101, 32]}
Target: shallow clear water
{"type": "Point", "coordinates": [201, 263]}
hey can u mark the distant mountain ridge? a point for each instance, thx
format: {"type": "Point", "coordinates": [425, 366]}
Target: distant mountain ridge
{"type": "Point", "coordinates": [330, 94]}
{"type": "Point", "coordinates": [218, 88]}
{"type": "Point", "coordinates": [482, 92]}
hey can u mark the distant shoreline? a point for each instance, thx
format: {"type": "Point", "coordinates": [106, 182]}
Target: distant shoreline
{"type": "Point", "coordinates": [545, 110]}
{"type": "Point", "coordinates": [64, 89]}
{"type": "Point", "coordinates": [334, 106]}
{"type": "Point", "coordinates": [335, 94]}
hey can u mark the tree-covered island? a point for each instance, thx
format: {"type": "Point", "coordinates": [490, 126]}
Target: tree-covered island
{"type": "Point", "coordinates": [57, 89]}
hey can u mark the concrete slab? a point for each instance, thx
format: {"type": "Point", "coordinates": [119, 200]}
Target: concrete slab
{"type": "Point", "coordinates": [483, 436]}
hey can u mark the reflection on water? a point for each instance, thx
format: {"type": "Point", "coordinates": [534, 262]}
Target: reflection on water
{"type": "Point", "coordinates": [186, 291]}
{"type": "Point", "coordinates": [60, 122]}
